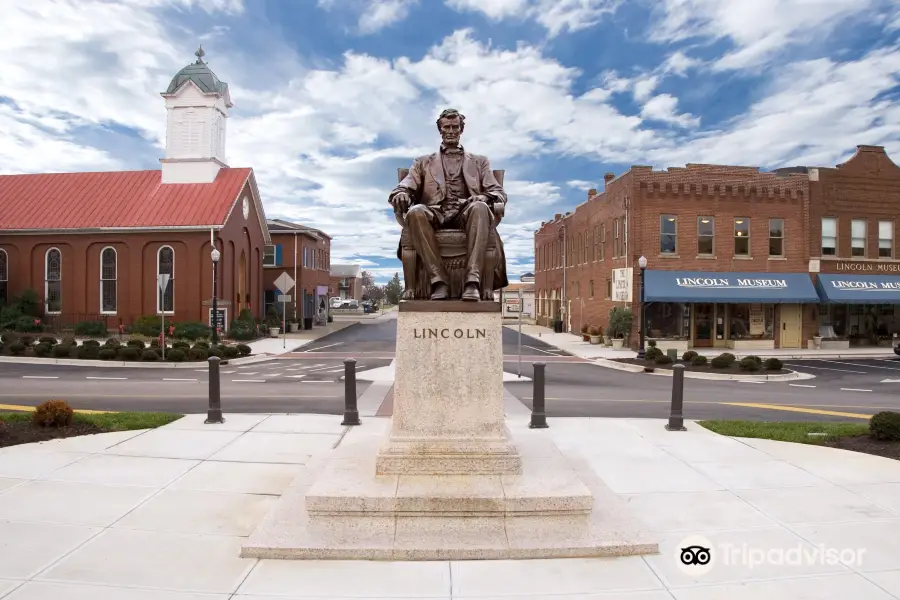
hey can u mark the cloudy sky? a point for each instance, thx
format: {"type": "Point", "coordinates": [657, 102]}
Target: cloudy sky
{"type": "Point", "coordinates": [331, 96]}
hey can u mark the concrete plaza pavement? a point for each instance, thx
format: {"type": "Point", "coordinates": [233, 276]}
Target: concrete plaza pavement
{"type": "Point", "coordinates": [162, 515]}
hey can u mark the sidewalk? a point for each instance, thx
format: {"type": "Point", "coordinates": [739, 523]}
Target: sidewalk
{"type": "Point", "coordinates": [163, 514]}
{"type": "Point", "coordinates": [576, 346]}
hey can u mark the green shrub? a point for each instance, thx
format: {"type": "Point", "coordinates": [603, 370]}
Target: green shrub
{"type": "Point", "coordinates": [89, 351]}
{"type": "Point", "coordinates": [202, 344]}
{"type": "Point", "coordinates": [147, 325]}
{"type": "Point", "coordinates": [749, 364]}
{"type": "Point", "coordinates": [198, 353]}
{"type": "Point", "coordinates": [42, 350]}
{"type": "Point", "coordinates": [662, 359]}
{"type": "Point", "coordinates": [885, 425]}
{"type": "Point", "coordinates": [17, 348]}
{"type": "Point", "coordinates": [217, 351]}
{"type": "Point", "coordinates": [150, 356]}
{"type": "Point", "coordinates": [130, 353]}
{"type": "Point", "coordinates": [27, 340]}
{"type": "Point", "coordinates": [113, 343]}
{"type": "Point", "coordinates": [230, 352]}
{"type": "Point", "coordinates": [181, 345]}
{"type": "Point", "coordinates": [94, 343]}
{"type": "Point", "coordinates": [620, 320]}
{"type": "Point", "coordinates": [729, 357]}
{"type": "Point", "coordinates": [47, 339]}
{"type": "Point", "coordinates": [773, 364]}
{"type": "Point", "coordinates": [756, 359]}
{"type": "Point", "coordinates": [62, 351]}
{"type": "Point", "coordinates": [157, 350]}
{"type": "Point", "coordinates": [699, 360]}
{"type": "Point", "coordinates": [53, 413]}
{"type": "Point", "coordinates": [192, 330]}
{"type": "Point", "coordinates": [722, 361]}
{"type": "Point", "coordinates": [90, 328]}
{"type": "Point", "coordinates": [176, 355]}
{"type": "Point", "coordinates": [137, 343]}
{"type": "Point", "coordinates": [28, 324]}
{"type": "Point", "coordinates": [651, 343]}
{"type": "Point", "coordinates": [652, 353]}
{"type": "Point", "coordinates": [69, 341]}
{"type": "Point", "coordinates": [154, 343]}
{"type": "Point", "coordinates": [106, 353]}
{"type": "Point", "coordinates": [244, 349]}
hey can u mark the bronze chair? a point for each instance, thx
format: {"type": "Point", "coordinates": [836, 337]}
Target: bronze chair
{"type": "Point", "coordinates": [417, 284]}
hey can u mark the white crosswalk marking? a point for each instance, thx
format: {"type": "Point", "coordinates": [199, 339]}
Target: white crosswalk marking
{"type": "Point", "coordinates": [296, 376]}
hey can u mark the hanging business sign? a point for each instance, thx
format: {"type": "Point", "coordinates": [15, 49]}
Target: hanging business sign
{"type": "Point", "coordinates": [621, 284]}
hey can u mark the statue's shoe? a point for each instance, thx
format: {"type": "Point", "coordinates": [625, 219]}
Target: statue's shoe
{"type": "Point", "coordinates": [471, 293]}
{"type": "Point", "coordinates": [440, 292]}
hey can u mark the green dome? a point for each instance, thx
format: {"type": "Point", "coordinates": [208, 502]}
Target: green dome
{"type": "Point", "coordinates": [200, 73]}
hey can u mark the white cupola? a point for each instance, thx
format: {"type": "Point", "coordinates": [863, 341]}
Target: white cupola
{"type": "Point", "coordinates": [197, 104]}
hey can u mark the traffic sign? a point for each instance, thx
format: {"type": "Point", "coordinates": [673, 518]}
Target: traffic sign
{"type": "Point", "coordinates": [284, 283]}
{"type": "Point", "coordinates": [284, 298]}
{"type": "Point", "coordinates": [162, 280]}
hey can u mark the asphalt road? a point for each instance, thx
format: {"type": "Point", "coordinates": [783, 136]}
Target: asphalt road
{"type": "Point", "coordinates": [308, 380]}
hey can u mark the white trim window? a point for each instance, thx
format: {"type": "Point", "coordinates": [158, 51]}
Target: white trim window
{"type": "Point", "coordinates": [829, 236]}
{"type": "Point", "coordinates": [165, 265]}
{"type": "Point", "coordinates": [53, 281]}
{"type": "Point", "coordinates": [858, 236]}
{"type": "Point", "coordinates": [885, 240]}
{"type": "Point", "coordinates": [269, 256]}
{"type": "Point", "coordinates": [108, 278]}
{"type": "Point", "coordinates": [4, 277]}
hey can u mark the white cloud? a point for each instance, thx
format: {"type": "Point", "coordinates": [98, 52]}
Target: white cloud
{"type": "Point", "coordinates": [381, 13]}
{"type": "Point", "coordinates": [759, 29]}
{"type": "Point", "coordinates": [580, 184]}
{"type": "Point", "coordinates": [555, 15]}
{"type": "Point", "coordinates": [664, 108]}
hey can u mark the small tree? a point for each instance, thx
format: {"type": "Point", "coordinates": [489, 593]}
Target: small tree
{"type": "Point", "coordinates": [393, 290]}
{"type": "Point", "coordinates": [620, 320]}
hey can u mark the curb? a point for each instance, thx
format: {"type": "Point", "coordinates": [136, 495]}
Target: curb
{"type": "Point", "coordinates": [792, 376]}
{"type": "Point", "coordinates": [77, 362]}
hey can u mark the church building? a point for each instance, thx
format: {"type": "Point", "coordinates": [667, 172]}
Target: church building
{"type": "Point", "coordinates": [92, 245]}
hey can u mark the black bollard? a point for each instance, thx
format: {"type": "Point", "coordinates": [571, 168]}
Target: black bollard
{"type": "Point", "coordinates": [351, 413]}
{"type": "Point", "coordinates": [538, 413]}
{"type": "Point", "coordinates": [214, 414]}
{"type": "Point", "coordinates": [676, 416]}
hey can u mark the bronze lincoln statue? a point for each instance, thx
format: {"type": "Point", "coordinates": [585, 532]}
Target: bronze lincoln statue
{"type": "Point", "coordinates": [449, 204]}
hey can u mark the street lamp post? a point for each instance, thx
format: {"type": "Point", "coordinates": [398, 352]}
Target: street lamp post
{"type": "Point", "coordinates": [642, 263]}
{"type": "Point", "coordinates": [215, 255]}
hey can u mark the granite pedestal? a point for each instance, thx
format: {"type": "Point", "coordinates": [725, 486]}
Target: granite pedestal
{"type": "Point", "coordinates": [446, 479]}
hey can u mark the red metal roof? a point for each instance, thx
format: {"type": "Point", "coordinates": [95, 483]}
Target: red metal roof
{"type": "Point", "coordinates": [115, 199]}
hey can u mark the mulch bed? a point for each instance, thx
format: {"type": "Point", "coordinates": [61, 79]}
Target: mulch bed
{"type": "Point", "coordinates": [867, 445]}
{"type": "Point", "coordinates": [15, 433]}
{"type": "Point", "coordinates": [735, 368]}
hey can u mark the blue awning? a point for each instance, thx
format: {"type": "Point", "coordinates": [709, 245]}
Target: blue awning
{"type": "Point", "coordinates": [859, 289]}
{"type": "Point", "coordinates": [701, 286]}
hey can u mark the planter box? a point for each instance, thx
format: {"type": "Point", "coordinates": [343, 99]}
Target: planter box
{"type": "Point", "coordinates": [273, 331]}
{"type": "Point", "coordinates": [595, 339]}
{"type": "Point", "coordinates": [680, 345]}
{"type": "Point", "coordinates": [835, 344]}
{"type": "Point", "coordinates": [618, 343]}
{"type": "Point", "coordinates": [293, 327]}
{"type": "Point", "coordinates": [751, 344]}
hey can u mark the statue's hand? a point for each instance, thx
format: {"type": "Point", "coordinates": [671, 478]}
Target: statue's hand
{"type": "Point", "coordinates": [401, 202]}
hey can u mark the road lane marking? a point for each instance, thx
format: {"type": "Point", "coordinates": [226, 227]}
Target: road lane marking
{"type": "Point", "coordinates": [323, 347]}
{"type": "Point", "coordinates": [20, 407]}
{"type": "Point", "coordinates": [749, 381]}
{"type": "Point", "coordinates": [175, 379]}
{"type": "Point", "coordinates": [826, 369]}
{"type": "Point", "coordinates": [544, 351]}
{"type": "Point", "coordinates": [40, 377]}
{"type": "Point", "coordinates": [854, 390]}
{"type": "Point", "coordinates": [890, 381]}
{"type": "Point", "coordinates": [837, 362]}
{"type": "Point", "coordinates": [801, 385]}
{"type": "Point", "coordinates": [227, 372]}
{"type": "Point", "coordinates": [248, 380]}
{"type": "Point", "coordinates": [270, 374]}
{"type": "Point", "coordinates": [323, 368]}
{"type": "Point", "coordinates": [296, 376]}
{"type": "Point", "coordinates": [811, 411]}
{"type": "Point", "coordinates": [246, 373]}
{"type": "Point", "coordinates": [115, 378]}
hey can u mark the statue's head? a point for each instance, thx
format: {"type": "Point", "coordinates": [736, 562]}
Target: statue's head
{"type": "Point", "coordinates": [451, 124]}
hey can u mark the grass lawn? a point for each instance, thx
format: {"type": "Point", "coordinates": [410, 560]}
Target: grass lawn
{"type": "Point", "coordinates": [845, 436]}
{"type": "Point", "coordinates": [787, 431]}
{"type": "Point", "coordinates": [16, 427]}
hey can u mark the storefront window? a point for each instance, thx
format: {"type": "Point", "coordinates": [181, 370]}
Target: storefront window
{"type": "Point", "coordinates": [751, 321]}
{"type": "Point", "coordinates": [668, 320]}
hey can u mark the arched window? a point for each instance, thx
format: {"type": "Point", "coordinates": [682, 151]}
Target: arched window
{"type": "Point", "coordinates": [53, 281]}
{"type": "Point", "coordinates": [165, 265]}
{"type": "Point", "coordinates": [108, 276]}
{"type": "Point", "coordinates": [4, 277]}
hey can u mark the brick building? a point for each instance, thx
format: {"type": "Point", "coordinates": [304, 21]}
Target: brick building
{"type": "Point", "coordinates": [93, 244]}
{"type": "Point", "coordinates": [303, 253]}
{"type": "Point", "coordinates": [346, 282]}
{"type": "Point", "coordinates": [734, 253]}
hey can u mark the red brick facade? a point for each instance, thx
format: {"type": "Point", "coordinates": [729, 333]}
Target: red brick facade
{"type": "Point", "coordinates": [866, 187]}
{"type": "Point", "coordinates": [304, 254]}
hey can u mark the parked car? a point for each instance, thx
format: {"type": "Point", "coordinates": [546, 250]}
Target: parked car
{"type": "Point", "coordinates": [336, 302]}
{"type": "Point", "coordinates": [897, 346]}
